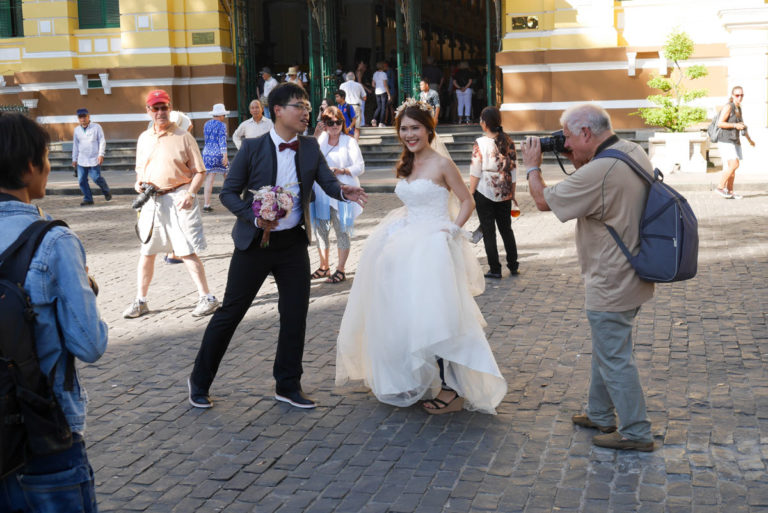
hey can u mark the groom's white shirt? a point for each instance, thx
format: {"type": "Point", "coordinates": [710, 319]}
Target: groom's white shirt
{"type": "Point", "coordinates": [286, 174]}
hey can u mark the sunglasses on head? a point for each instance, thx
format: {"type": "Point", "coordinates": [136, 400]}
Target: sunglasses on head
{"type": "Point", "coordinates": [156, 108]}
{"type": "Point", "coordinates": [332, 122]}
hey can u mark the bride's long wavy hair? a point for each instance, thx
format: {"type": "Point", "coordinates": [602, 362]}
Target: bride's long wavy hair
{"type": "Point", "coordinates": [405, 164]}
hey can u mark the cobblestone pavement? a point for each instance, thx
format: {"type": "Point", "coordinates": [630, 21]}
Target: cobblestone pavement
{"type": "Point", "coordinates": [701, 346]}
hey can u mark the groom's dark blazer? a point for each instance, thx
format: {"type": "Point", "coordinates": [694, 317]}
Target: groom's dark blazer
{"type": "Point", "coordinates": [255, 166]}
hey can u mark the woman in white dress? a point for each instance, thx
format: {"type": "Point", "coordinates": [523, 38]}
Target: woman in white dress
{"type": "Point", "coordinates": [346, 161]}
{"type": "Point", "coordinates": [411, 326]}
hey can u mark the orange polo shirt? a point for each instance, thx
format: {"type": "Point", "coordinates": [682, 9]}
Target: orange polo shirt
{"type": "Point", "coordinates": [169, 158]}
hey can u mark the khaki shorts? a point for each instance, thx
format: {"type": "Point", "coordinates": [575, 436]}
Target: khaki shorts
{"type": "Point", "coordinates": [357, 109]}
{"type": "Point", "coordinates": [174, 229]}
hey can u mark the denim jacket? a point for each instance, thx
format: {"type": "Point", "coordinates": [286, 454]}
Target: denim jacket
{"type": "Point", "coordinates": [67, 316]}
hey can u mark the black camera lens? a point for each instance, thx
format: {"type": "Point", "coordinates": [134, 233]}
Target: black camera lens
{"type": "Point", "coordinates": [555, 142]}
{"type": "Point", "coordinates": [147, 191]}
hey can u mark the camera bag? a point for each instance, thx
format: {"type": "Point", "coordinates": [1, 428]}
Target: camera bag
{"type": "Point", "coordinates": [669, 237]}
{"type": "Point", "coordinates": [31, 419]}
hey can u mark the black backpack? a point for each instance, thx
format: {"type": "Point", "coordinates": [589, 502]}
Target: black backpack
{"type": "Point", "coordinates": [31, 419]}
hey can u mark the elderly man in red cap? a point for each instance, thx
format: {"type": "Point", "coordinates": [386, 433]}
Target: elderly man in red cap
{"type": "Point", "coordinates": [169, 172]}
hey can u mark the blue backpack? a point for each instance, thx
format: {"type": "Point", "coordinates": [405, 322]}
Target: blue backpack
{"type": "Point", "coordinates": [669, 237]}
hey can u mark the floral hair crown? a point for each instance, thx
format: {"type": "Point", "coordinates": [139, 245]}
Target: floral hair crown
{"type": "Point", "coordinates": [412, 102]}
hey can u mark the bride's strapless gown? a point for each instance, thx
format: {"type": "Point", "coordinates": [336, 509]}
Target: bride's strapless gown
{"type": "Point", "coordinates": [412, 302]}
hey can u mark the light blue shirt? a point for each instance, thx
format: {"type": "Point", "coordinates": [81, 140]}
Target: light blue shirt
{"type": "Point", "coordinates": [88, 145]}
{"type": "Point", "coordinates": [68, 319]}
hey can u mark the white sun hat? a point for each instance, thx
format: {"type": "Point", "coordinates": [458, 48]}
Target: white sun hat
{"type": "Point", "coordinates": [219, 110]}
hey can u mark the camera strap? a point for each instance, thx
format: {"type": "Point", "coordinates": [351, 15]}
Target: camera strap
{"type": "Point", "coordinates": [151, 226]}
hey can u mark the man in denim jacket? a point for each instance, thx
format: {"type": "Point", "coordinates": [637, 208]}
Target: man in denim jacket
{"type": "Point", "coordinates": [67, 321]}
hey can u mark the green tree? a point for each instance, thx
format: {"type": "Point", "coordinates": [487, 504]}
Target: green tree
{"type": "Point", "coordinates": [673, 111]}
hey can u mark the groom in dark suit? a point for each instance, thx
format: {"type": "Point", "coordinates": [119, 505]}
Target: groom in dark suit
{"type": "Point", "coordinates": [280, 157]}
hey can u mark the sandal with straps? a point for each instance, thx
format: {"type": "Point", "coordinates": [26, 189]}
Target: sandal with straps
{"type": "Point", "coordinates": [439, 406]}
{"type": "Point", "coordinates": [321, 273]}
{"type": "Point", "coordinates": [337, 277]}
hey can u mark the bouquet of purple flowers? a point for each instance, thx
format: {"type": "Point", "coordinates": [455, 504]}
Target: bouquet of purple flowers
{"type": "Point", "coordinates": [271, 203]}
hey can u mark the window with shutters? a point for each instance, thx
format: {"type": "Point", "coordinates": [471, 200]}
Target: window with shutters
{"type": "Point", "coordinates": [98, 13]}
{"type": "Point", "coordinates": [11, 21]}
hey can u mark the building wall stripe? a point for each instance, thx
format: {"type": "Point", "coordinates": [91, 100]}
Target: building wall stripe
{"type": "Point", "coordinates": [561, 67]}
{"type": "Point", "coordinates": [139, 82]}
{"type": "Point", "coordinates": [708, 103]}
{"type": "Point", "coordinates": [119, 118]}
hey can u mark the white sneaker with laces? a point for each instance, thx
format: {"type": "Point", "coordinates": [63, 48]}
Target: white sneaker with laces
{"type": "Point", "coordinates": [137, 309]}
{"type": "Point", "coordinates": [206, 306]}
{"type": "Point", "coordinates": [736, 196]}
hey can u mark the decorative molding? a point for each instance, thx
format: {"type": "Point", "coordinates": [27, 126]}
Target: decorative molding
{"type": "Point", "coordinates": [82, 84]}
{"type": "Point", "coordinates": [105, 83]}
{"type": "Point", "coordinates": [44, 27]}
{"type": "Point", "coordinates": [30, 103]}
{"type": "Point", "coordinates": [527, 34]}
{"type": "Point", "coordinates": [166, 50]}
{"type": "Point", "coordinates": [631, 64]}
{"type": "Point", "coordinates": [663, 64]}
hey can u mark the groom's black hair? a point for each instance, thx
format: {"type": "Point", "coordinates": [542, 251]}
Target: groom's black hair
{"type": "Point", "coordinates": [283, 94]}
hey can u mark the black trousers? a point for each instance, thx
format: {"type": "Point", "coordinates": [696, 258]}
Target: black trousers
{"type": "Point", "coordinates": [491, 215]}
{"type": "Point", "coordinates": [288, 261]}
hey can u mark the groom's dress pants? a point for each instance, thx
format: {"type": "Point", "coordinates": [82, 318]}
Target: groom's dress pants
{"type": "Point", "coordinates": [288, 261]}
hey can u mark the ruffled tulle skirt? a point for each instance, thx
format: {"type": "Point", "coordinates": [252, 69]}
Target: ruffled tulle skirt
{"type": "Point", "coordinates": [411, 303]}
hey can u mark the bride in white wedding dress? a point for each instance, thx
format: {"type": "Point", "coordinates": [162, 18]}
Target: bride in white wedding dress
{"type": "Point", "coordinates": [411, 328]}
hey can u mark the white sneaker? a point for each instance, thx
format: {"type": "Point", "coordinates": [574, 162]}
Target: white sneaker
{"type": "Point", "coordinates": [724, 193]}
{"type": "Point", "coordinates": [137, 309]}
{"type": "Point", "coordinates": [206, 306]}
{"type": "Point", "coordinates": [736, 196]}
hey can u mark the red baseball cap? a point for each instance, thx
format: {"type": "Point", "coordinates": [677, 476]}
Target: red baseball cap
{"type": "Point", "coordinates": [157, 96]}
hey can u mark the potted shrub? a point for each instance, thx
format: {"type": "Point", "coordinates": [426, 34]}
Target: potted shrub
{"type": "Point", "coordinates": [676, 147]}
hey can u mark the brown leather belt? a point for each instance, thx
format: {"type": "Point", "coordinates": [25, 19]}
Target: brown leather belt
{"type": "Point", "coordinates": [162, 193]}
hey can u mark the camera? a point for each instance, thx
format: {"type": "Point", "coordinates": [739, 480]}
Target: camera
{"type": "Point", "coordinates": [147, 190]}
{"type": "Point", "coordinates": [555, 142]}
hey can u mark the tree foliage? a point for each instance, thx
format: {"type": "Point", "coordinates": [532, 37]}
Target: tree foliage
{"type": "Point", "coordinates": [672, 111]}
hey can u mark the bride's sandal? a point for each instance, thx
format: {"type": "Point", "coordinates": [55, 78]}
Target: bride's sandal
{"type": "Point", "coordinates": [321, 273]}
{"type": "Point", "coordinates": [337, 277]}
{"type": "Point", "coordinates": [439, 406]}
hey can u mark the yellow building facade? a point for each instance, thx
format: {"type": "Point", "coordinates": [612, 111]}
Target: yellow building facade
{"type": "Point", "coordinates": [555, 53]}
{"type": "Point", "coordinates": [53, 66]}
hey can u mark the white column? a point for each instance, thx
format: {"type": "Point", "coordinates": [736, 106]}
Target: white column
{"type": "Point", "coordinates": [748, 67]}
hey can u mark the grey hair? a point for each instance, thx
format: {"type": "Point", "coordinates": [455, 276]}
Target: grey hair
{"type": "Point", "coordinates": [587, 115]}
{"type": "Point", "coordinates": [350, 76]}
{"type": "Point", "coordinates": [256, 101]}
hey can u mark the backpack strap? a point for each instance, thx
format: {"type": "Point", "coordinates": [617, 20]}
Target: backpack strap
{"type": "Point", "coordinates": [639, 171]}
{"type": "Point", "coordinates": [23, 249]}
{"type": "Point", "coordinates": [632, 163]}
{"type": "Point", "coordinates": [15, 269]}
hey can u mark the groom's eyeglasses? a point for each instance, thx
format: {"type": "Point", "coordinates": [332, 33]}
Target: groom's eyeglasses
{"type": "Point", "coordinates": [304, 106]}
{"type": "Point", "coordinates": [332, 122]}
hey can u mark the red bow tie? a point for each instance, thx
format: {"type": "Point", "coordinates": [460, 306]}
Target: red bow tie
{"type": "Point", "coordinates": [291, 145]}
